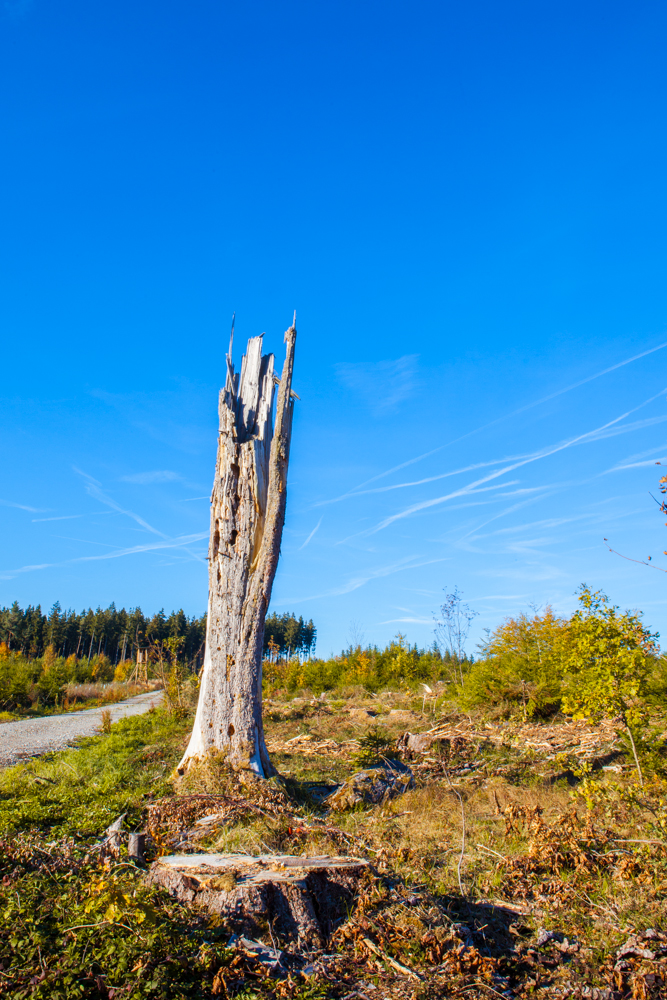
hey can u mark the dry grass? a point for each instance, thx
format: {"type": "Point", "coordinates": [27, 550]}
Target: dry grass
{"type": "Point", "coordinates": [564, 862]}
{"type": "Point", "coordinates": [90, 695]}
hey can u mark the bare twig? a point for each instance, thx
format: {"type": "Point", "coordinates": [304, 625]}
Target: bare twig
{"type": "Point", "coordinates": [273, 940]}
{"type": "Point", "coordinates": [642, 562]}
{"type": "Point", "coordinates": [463, 830]}
{"type": "Point", "coordinates": [77, 927]}
{"type": "Point", "coordinates": [501, 856]}
{"type": "Point", "coordinates": [106, 923]}
{"type": "Point", "coordinates": [634, 753]}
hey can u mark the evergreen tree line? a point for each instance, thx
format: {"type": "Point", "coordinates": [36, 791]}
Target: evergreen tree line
{"type": "Point", "coordinates": [287, 635]}
{"type": "Point", "coordinates": [118, 634]}
{"type": "Point", "coordinates": [112, 632]}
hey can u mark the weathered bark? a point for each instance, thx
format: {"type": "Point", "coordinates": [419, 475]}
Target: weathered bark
{"type": "Point", "coordinates": [301, 899]}
{"type": "Point", "coordinates": [247, 516]}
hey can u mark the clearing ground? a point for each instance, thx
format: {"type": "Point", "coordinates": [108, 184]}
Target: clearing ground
{"type": "Point", "coordinates": [524, 861]}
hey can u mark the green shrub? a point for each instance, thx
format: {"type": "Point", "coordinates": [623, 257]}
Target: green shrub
{"type": "Point", "coordinates": [374, 747]}
{"type": "Point", "coordinates": [17, 677]}
{"type": "Point", "coordinates": [53, 675]}
{"type": "Point", "coordinates": [398, 664]}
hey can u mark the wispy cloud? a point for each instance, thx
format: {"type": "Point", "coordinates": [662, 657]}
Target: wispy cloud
{"type": "Point", "coordinates": [148, 478]}
{"type": "Point", "coordinates": [414, 482]}
{"type": "Point", "coordinates": [153, 413]}
{"type": "Point", "coordinates": [463, 492]}
{"type": "Point", "coordinates": [382, 384]}
{"type": "Point", "coordinates": [93, 488]}
{"type": "Point", "coordinates": [71, 517]}
{"type": "Point", "coordinates": [61, 517]}
{"type": "Point", "coordinates": [21, 506]}
{"type": "Point", "coordinates": [189, 499]}
{"type": "Point", "coordinates": [506, 416]}
{"type": "Point", "coordinates": [591, 378]}
{"type": "Point", "coordinates": [414, 621]}
{"type": "Point", "coordinates": [503, 513]}
{"type": "Point", "coordinates": [586, 521]}
{"type": "Point", "coordinates": [310, 536]}
{"type": "Point", "coordinates": [634, 465]}
{"type": "Point", "coordinates": [637, 425]}
{"type": "Point", "coordinates": [409, 562]}
{"type": "Point", "coordinates": [86, 541]}
{"type": "Point", "coordinates": [547, 522]}
{"type": "Point", "coordinates": [172, 543]}
{"type": "Point", "coordinates": [587, 439]}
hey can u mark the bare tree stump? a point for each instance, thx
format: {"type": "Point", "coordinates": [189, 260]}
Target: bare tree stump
{"type": "Point", "coordinates": [247, 516]}
{"type": "Point", "coordinates": [299, 899]}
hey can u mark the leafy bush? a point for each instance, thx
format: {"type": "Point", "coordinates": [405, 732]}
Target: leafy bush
{"type": "Point", "coordinates": [123, 671]}
{"type": "Point", "coordinates": [102, 669]}
{"type": "Point", "coordinates": [607, 661]}
{"type": "Point", "coordinates": [599, 662]}
{"type": "Point", "coordinates": [523, 665]}
{"type": "Point", "coordinates": [51, 682]}
{"type": "Point", "coordinates": [608, 665]}
{"type": "Point", "coordinates": [53, 675]}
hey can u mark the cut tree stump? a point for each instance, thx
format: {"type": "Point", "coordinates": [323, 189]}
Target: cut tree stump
{"type": "Point", "coordinates": [299, 899]}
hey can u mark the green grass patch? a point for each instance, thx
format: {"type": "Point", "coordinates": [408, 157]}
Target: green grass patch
{"type": "Point", "coordinates": [81, 791]}
{"type": "Point", "coordinates": [75, 925]}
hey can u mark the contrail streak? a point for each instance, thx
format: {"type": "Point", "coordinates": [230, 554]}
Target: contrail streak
{"type": "Point", "coordinates": [310, 536]}
{"type": "Point", "coordinates": [93, 489]}
{"type": "Point", "coordinates": [638, 425]}
{"type": "Point", "coordinates": [536, 456]}
{"type": "Point", "coordinates": [171, 543]}
{"type": "Point", "coordinates": [409, 562]}
{"type": "Point", "coordinates": [22, 506]}
{"type": "Point", "coordinates": [506, 416]}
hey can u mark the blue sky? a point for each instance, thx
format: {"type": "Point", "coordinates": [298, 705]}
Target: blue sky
{"type": "Point", "coordinates": [466, 205]}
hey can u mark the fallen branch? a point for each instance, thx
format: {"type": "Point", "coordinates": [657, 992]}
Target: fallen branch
{"type": "Point", "coordinates": [392, 961]}
{"type": "Point", "coordinates": [480, 982]}
{"type": "Point", "coordinates": [636, 840]}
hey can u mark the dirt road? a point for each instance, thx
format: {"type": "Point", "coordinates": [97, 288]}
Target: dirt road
{"type": "Point", "coordinates": [32, 737]}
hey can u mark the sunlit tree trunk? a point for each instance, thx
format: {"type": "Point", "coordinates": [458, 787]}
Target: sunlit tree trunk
{"type": "Point", "coordinates": [247, 516]}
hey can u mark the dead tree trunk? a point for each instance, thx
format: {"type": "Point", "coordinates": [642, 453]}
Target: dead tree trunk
{"type": "Point", "coordinates": [247, 516]}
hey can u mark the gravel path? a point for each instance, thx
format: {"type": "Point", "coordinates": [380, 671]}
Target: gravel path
{"type": "Point", "coordinates": [32, 737]}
